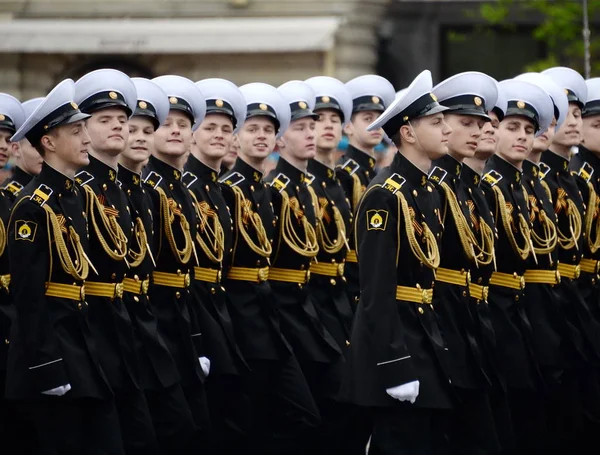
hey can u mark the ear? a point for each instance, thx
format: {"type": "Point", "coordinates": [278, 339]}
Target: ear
{"type": "Point", "coordinates": [47, 142]}
{"type": "Point", "coordinates": [15, 149]}
{"type": "Point", "coordinates": [349, 129]}
{"type": "Point", "coordinates": [407, 134]}
{"type": "Point", "coordinates": [280, 143]}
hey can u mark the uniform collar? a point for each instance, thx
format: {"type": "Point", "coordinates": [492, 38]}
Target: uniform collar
{"type": "Point", "coordinates": [22, 177]}
{"type": "Point", "coordinates": [321, 171]}
{"type": "Point", "coordinates": [56, 180]}
{"type": "Point", "coordinates": [362, 158]}
{"type": "Point", "coordinates": [251, 174]}
{"type": "Point", "coordinates": [201, 170]}
{"type": "Point", "coordinates": [505, 169]}
{"type": "Point", "coordinates": [128, 177]}
{"type": "Point", "coordinates": [166, 171]}
{"type": "Point", "coordinates": [469, 176]}
{"type": "Point", "coordinates": [556, 162]}
{"type": "Point", "coordinates": [409, 171]}
{"type": "Point", "coordinates": [530, 170]}
{"type": "Point", "coordinates": [101, 172]}
{"type": "Point", "coordinates": [450, 165]}
{"type": "Point", "coordinates": [289, 170]}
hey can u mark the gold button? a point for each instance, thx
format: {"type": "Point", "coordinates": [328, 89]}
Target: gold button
{"type": "Point", "coordinates": [178, 294]}
{"type": "Point", "coordinates": [104, 187]}
{"type": "Point", "coordinates": [516, 298]}
{"type": "Point", "coordinates": [464, 293]}
{"type": "Point", "coordinates": [79, 306]}
{"type": "Point", "coordinates": [170, 186]}
{"type": "Point", "coordinates": [415, 194]}
{"type": "Point", "coordinates": [6, 341]}
{"type": "Point", "coordinates": [347, 343]}
{"type": "Point", "coordinates": [113, 276]}
{"type": "Point", "coordinates": [421, 310]}
{"type": "Point", "coordinates": [213, 291]}
{"type": "Point", "coordinates": [332, 281]}
{"type": "Point", "coordinates": [136, 299]}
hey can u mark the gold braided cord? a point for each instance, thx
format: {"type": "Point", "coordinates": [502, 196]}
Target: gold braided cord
{"type": "Point", "coordinates": [307, 247]}
{"type": "Point", "coordinates": [168, 213]}
{"type": "Point", "coordinates": [547, 189]}
{"type": "Point", "coordinates": [110, 223]}
{"type": "Point", "coordinates": [139, 234]}
{"type": "Point", "coordinates": [356, 190]}
{"type": "Point", "coordinates": [522, 252]}
{"type": "Point", "coordinates": [245, 215]}
{"type": "Point", "coordinates": [431, 258]}
{"type": "Point", "coordinates": [570, 240]}
{"type": "Point", "coordinates": [325, 242]}
{"type": "Point", "coordinates": [546, 242]}
{"type": "Point", "coordinates": [593, 238]}
{"type": "Point", "coordinates": [3, 238]}
{"type": "Point", "coordinates": [209, 224]}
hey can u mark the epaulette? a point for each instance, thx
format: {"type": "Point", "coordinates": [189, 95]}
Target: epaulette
{"type": "Point", "coordinates": [41, 195]}
{"type": "Point", "coordinates": [153, 179]}
{"type": "Point", "coordinates": [544, 169]}
{"type": "Point", "coordinates": [492, 178]}
{"type": "Point", "coordinates": [233, 179]}
{"type": "Point", "coordinates": [14, 187]}
{"type": "Point", "coordinates": [394, 182]}
{"type": "Point", "coordinates": [83, 177]}
{"type": "Point", "coordinates": [437, 175]}
{"type": "Point", "coordinates": [188, 179]}
{"type": "Point", "coordinates": [350, 166]}
{"type": "Point", "coordinates": [586, 171]}
{"type": "Point", "coordinates": [309, 178]}
{"type": "Point", "coordinates": [280, 182]}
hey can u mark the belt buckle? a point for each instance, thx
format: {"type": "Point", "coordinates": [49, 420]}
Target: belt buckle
{"type": "Point", "coordinates": [485, 292]}
{"type": "Point", "coordinates": [145, 286]}
{"type": "Point", "coordinates": [186, 280]}
{"type": "Point", "coordinates": [219, 276]}
{"type": "Point", "coordinates": [340, 269]}
{"type": "Point", "coordinates": [597, 267]}
{"type": "Point", "coordinates": [522, 282]}
{"type": "Point", "coordinates": [557, 275]}
{"type": "Point", "coordinates": [577, 271]}
{"type": "Point", "coordinates": [81, 293]}
{"type": "Point", "coordinates": [468, 278]}
{"type": "Point", "coordinates": [118, 290]}
{"type": "Point", "coordinates": [263, 274]}
{"type": "Point", "coordinates": [425, 297]}
{"type": "Point", "coordinates": [307, 277]}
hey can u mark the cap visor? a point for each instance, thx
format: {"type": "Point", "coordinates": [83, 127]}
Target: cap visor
{"type": "Point", "coordinates": [434, 110]}
{"type": "Point", "coordinates": [471, 112]}
{"type": "Point", "coordinates": [76, 118]}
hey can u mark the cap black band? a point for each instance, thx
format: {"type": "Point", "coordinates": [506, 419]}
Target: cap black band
{"type": "Point", "coordinates": [52, 120]}
{"type": "Point", "coordinates": [327, 102]}
{"type": "Point", "coordinates": [219, 106]}
{"type": "Point", "coordinates": [591, 108]}
{"type": "Point", "coordinates": [418, 108]}
{"type": "Point", "coordinates": [466, 105]}
{"type": "Point", "coordinates": [300, 110]}
{"type": "Point", "coordinates": [7, 123]}
{"type": "Point", "coordinates": [147, 109]}
{"type": "Point", "coordinates": [368, 103]}
{"type": "Point", "coordinates": [103, 100]}
{"type": "Point", "coordinates": [499, 113]}
{"type": "Point", "coordinates": [262, 110]}
{"type": "Point", "coordinates": [524, 109]}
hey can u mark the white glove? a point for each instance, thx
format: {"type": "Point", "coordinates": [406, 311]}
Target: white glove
{"type": "Point", "coordinates": [58, 391]}
{"type": "Point", "coordinates": [205, 365]}
{"type": "Point", "coordinates": [405, 392]}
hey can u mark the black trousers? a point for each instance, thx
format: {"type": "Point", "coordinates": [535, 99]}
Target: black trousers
{"type": "Point", "coordinates": [284, 414]}
{"type": "Point", "coordinates": [65, 426]}
{"type": "Point", "coordinates": [16, 431]}
{"type": "Point", "coordinates": [136, 424]}
{"type": "Point", "coordinates": [529, 420]}
{"type": "Point", "coordinates": [404, 430]}
{"type": "Point", "coordinates": [195, 395]}
{"type": "Point", "coordinates": [174, 424]}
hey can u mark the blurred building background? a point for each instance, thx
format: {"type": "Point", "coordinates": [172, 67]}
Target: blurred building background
{"type": "Point", "coordinates": [45, 41]}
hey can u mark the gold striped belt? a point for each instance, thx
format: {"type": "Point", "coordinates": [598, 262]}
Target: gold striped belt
{"type": "Point", "coordinates": [479, 292]}
{"type": "Point", "coordinates": [98, 289]}
{"type": "Point", "coordinates": [65, 291]}
{"type": "Point", "coordinates": [507, 280]}
{"type": "Point", "coordinates": [289, 275]}
{"type": "Point", "coordinates": [207, 275]}
{"type": "Point", "coordinates": [351, 256]}
{"type": "Point", "coordinates": [542, 276]}
{"type": "Point", "coordinates": [458, 277]}
{"type": "Point", "coordinates": [5, 281]}
{"type": "Point", "coordinates": [171, 280]}
{"type": "Point", "coordinates": [569, 270]}
{"type": "Point", "coordinates": [586, 265]}
{"type": "Point", "coordinates": [327, 269]}
{"type": "Point", "coordinates": [416, 295]}
{"type": "Point", "coordinates": [136, 286]}
{"type": "Point", "coordinates": [248, 274]}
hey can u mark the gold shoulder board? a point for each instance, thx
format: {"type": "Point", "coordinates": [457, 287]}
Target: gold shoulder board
{"type": "Point", "coordinates": [83, 177]}
{"type": "Point", "coordinates": [394, 183]}
{"type": "Point", "coordinates": [153, 179]}
{"type": "Point", "coordinates": [492, 178]}
{"type": "Point", "coordinates": [14, 187]}
{"type": "Point", "coordinates": [349, 166]}
{"type": "Point", "coordinates": [41, 195]}
{"type": "Point", "coordinates": [188, 179]}
{"type": "Point", "coordinates": [233, 179]}
{"type": "Point", "coordinates": [437, 175]}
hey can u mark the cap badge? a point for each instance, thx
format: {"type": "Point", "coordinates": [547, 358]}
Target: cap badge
{"type": "Point", "coordinates": [74, 105]}
{"type": "Point", "coordinates": [173, 100]}
{"type": "Point", "coordinates": [2, 117]}
{"type": "Point", "coordinates": [477, 101]}
{"type": "Point", "coordinates": [219, 103]}
{"type": "Point", "coordinates": [302, 105]}
{"type": "Point", "coordinates": [566, 91]}
{"type": "Point", "coordinates": [433, 97]}
{"type": "Point", "coordinates": [112, 95]}
{"type": "Point", "coordinates": [325, 99]}
{"type": "Point", "coordinates": [142, 105]}
{"type": "Point", "coordinates": [375, 99]}
{"type": "Point", "coordinates": [262, 106]}
{"type": "Point", "coordinates": [405, 118]}
{"type": "Point", "coordinates": [521, 104]}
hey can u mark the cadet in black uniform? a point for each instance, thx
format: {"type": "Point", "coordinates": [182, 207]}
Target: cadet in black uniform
{"type": "Point", "coordinates": [173, 422]}
{"type": "Point", "coordinates": [54, 366]}
{"type": "Point", "coordinates": [109, 96]}
{"type": "Point", "coordinates": [529, 111]}
{"type": "Point", "coordinates": [467, 244]}
{"type": "Point", "coordinates": [227, 397]}
{"type": "Point", "coordinates": [283, 410]}
{"type": "Point", "coordinates": [174, 231]}
{"type": "Point", "coordinates": [371, 95]}
{"type": "Point", "coordinates": [397, 356]}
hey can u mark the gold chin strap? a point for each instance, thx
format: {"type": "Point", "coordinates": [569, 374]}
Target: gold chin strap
{"type": "Point", "coordinates": [244, 215]}
{"type": "Point", "coordinates": [168, 213]}
{"type": "Point", "coordinates": [570, 240]}
{"type": "Point", "coordinates": [211, 226]}
{"type": "Point", "coordinates": [307, 247]}
{"type": "Point", "coordinates": [110, 224]}
{"type": "Point", "coordinates": [325, 242]}
{"type": "Point", "coordinates": [522, 251]}
{"type": "Point", "coordinates": [592, 220]}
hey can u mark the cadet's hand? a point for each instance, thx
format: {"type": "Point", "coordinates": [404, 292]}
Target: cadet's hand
{"type": "Point", "coordinates": [205, 365]}
{"type": "Point", "coordinates": [405, 392]}
{"type": "Point", "coordinates": [58, 391]}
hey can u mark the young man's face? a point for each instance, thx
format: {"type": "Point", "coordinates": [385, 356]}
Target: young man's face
{"type": "Point", "coordinates": [328, 129]}
{"type": "Point", "coordinates": [569, 133]}
{"type": "Point", "coordinates": [299, 139]}
{"type": "Point", "coordinates": [489, 138]}
{"type": "Point", "coordinates": [543, 141]}
{"type": "Point", "coordinates": [257, 138]}
{"type": "Point", "coordinates": [591, 133]}
{"type": "Point", "coordinates": [141, 139]}
{"type": "Point", "coordinates": [108, 130]}
{"type": "Point", "coordinates": [431, 135]}
{"type": "Point", "coordinates": [174, 137]}
{"type": "Point", "coordinates": [70, 143]}
{"type": "Point", "coordinates": [214, 136]}
{"type": "Point", "coordinates": [515, 139]}
{"type": "Point", "coordinates": [466, 132]}
{"type": "Point", "coordinates": [356, 129]}
{"type": "Point", "coordinates": [29, 158]}
{"type": "Point", "coordinates": [5, 146]}
{"type": "Point", "coordinates": [229, 159]}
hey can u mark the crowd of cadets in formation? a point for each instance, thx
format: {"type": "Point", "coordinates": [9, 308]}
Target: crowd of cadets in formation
{"type": "Point", "coordinates": [159, 296]}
